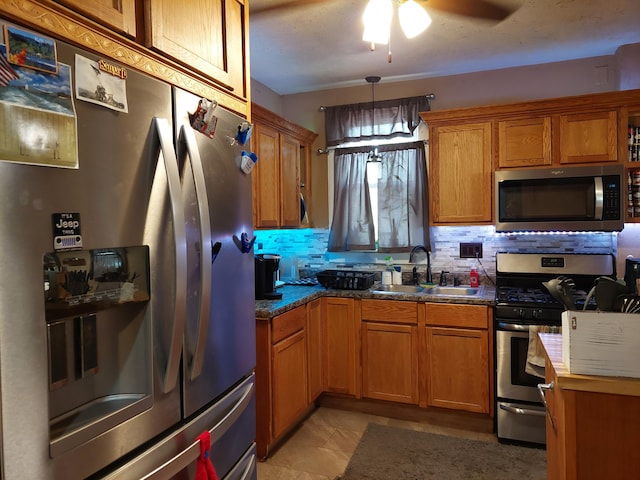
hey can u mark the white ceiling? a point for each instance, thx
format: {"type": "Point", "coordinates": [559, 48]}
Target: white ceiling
{"type": "Point", "coordinates": [319, 46]}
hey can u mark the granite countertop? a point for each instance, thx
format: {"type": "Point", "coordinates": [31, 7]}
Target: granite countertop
{"type": "Point", "coordinates": [296, 295]}
{"type": "Point", "coordinates": [552, 344]}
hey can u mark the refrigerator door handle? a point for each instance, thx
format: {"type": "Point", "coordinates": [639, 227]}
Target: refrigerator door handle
{"type": "Point", "coordinates": [179, 231]}
{"type": "Point", "coordinates": [206, 256]}
{"type": "Point", "coordinates": [190, 454]}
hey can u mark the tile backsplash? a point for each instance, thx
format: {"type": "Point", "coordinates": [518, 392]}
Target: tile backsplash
{"type": "Point", "coordinates": [307, 248]}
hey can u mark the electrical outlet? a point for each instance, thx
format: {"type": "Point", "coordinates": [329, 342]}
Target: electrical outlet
{"type": "Point", "coordinates": [471, 250]}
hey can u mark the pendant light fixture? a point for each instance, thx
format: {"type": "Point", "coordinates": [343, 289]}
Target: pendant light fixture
{"type": "Point", "coordinates": [373, 155]}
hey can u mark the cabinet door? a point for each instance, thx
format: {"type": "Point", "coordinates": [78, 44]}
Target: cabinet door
{"type": "Point", "coordinates": [289, 377]}
{"type": "Point", "coordinates": [460, 174]}
{"type": "Point", "coordinates": [458, 369]}
{"type": "Point", "coordinates": [589, 137]}
{"type": "Point", "coordinates": [524, 143]}
{"type": "Point", "coordinates": [117, 15]}
{"type": "Point", "coordinates": [342, 344]}
{"type": "Point", "coordinates": [204, 35]}
{"type": "Point", "coordinates": [266, 174]}
{"type": "Point", "coordinates": [314, 348]}
{"type": "Point", "coordinates": [289, 181]}
{"type": "Point", "coordinates": [390, 362]}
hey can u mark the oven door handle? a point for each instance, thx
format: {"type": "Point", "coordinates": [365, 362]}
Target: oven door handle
{"type": "Point", "coordinates": [542, 388]}
{"type": "Point", "coordinates": [513, 327]}
{"type": "Point", "coordinates": [521, 411]}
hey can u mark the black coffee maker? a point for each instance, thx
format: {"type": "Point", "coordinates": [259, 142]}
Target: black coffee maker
{"type": "Point", "coordinates": [632, 275]}
{"type": "Point", "coordinates": [266, 270]}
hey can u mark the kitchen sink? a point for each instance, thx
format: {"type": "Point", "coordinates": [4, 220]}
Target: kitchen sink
{"type": "Point", "coordinates": [465, 291]}
{"type": "Point", "coordinates": [398, 289]}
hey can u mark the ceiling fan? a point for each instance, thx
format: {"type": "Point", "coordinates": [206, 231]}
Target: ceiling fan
{"type": "Point", "coordinates": [413, 15]}
{"type": "Point", "coordinates": [481, 9]}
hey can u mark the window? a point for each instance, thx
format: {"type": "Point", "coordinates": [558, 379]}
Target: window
{"type": "Point", "coordinates": [387, 213]}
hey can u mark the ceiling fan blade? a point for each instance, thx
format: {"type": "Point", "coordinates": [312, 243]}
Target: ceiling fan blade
{"type": "Point", "coordinates": [286, 5]}
{"type": "Point", "coordinates": [471, 8]}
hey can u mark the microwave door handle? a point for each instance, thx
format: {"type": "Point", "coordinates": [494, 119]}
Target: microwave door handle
{"type": "Point", "coordinates": [180, 236]}
{"type": "Point", "coordinates": [206, 256]}
{"type": "Point", "coordinates": [599, 191]}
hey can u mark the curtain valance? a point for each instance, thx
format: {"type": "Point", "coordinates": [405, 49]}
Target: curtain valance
{"type": "Point", "coordinates": [373, 120]}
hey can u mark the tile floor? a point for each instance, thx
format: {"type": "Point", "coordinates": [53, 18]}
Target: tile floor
{"type": "Point", "coordinates": [321, 447]}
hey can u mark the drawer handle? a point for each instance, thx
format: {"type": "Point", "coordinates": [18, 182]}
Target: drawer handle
{"type": "Point", "coordinates": [542, 388]}
{"type": "Point", "coordinates": [521, 411]}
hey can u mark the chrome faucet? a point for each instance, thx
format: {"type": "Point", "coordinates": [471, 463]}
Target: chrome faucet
{"type": "Point", "coordinates": [429, 277]}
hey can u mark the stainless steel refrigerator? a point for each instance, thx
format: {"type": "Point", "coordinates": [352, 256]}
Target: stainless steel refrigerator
{"type": "Point", "coordinates": [144, 336]}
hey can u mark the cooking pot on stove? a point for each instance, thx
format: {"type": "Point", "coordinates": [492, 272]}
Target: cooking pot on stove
{"type": "Point", "coordinates": [606, 291]}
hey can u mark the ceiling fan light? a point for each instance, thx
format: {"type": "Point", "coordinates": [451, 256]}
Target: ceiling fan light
{"type": "Point", "coordinates": [377, 21]}
{"type": "Point", "coordinates": [413, 18]}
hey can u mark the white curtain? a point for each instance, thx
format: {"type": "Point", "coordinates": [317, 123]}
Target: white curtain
{"type": "Point", "coordinates": [402, 200]}
{"type": "Point", "coordinates": [352, 225]}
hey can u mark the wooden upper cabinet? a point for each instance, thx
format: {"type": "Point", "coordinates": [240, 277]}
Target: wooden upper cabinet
{"type": "Point", "coordinates": [204, 35]}
{"type": "Point", "coordinates": [460, 173]}
{"type": "Point", "coordinates": [276, 179]}
{"type": "Point", "coordinates": [282, 148]}
{"type": "Point", "coordinates": [118, 15]}
{"type": "Point", "coordinates": [524, 142]}
{"type": "Point", "coordinates": [589, 137]}
{"type": "Point", "coordinates": [266, 177]}
{"type": "Point", "coordinates": [289, 181]}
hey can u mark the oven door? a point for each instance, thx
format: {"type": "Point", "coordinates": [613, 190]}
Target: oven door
{"type": "Point", "coordinates": [512, 382]}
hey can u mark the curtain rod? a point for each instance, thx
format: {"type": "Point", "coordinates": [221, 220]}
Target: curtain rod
{"type": "Point", "coordinates": [325, 151]}
{"type": "Point", "coordinates": [429, 96]}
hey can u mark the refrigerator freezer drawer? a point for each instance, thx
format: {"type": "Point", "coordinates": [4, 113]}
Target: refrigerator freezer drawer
{"type": "Point", "coordinates": [231, 423]}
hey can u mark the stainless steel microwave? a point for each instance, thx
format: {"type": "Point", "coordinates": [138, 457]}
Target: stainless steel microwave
{"type": "Point", "coordinates": [569, 198]}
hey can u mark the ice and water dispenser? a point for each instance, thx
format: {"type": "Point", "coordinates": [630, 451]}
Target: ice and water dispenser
{"type": "Point", "coordinates": [99, 341]}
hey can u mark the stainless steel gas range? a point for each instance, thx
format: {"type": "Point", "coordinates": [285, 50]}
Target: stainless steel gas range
{"type": "Point", "coordinates": [523, 307]}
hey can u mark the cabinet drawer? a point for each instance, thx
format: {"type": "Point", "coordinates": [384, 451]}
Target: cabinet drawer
{"type": "Point", "coordinates": [286, 324]}
{"type": "Point", "coordinates": [449, 315]}
{"type": "Point", "coordinates": [390, 311]}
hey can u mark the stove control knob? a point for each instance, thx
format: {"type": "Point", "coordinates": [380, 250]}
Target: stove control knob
{"type": "Point", "coordinates": [521, 312]}
{"type": "Point", "coordinates": [535, 313]}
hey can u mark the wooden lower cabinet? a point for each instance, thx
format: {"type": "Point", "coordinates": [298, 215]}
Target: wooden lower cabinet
{"type": "Point", "coordinates": [457, 364]}
{"type": "Point", "coordinates": [282, 396]}
{"type": "Point", "coordinates": [342, 346]}
{"type": "Point", "coordinates": [458, 369]}
{"type": "Point", "coordinates": [289, 379]}
{"type": "Point", "coordinates": [390, 350]}
{"type": "Point", "coordinates": [315, 349]}
{"type": "Point", "coordinates": [390, 362]}
{"type": "Point", "coordinates": [591, 435]}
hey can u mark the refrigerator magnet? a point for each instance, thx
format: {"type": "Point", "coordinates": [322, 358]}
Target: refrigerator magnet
{"type": "Point", "coordinates": [244, 133]}
{"type": "Point", "coordinates": [203, 120]}
{"type": "Point", "coordinates": [248, 161]}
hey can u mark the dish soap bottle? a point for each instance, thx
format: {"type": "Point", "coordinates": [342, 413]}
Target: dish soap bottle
{"type": "Point", "coordinates": [473, 276]}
